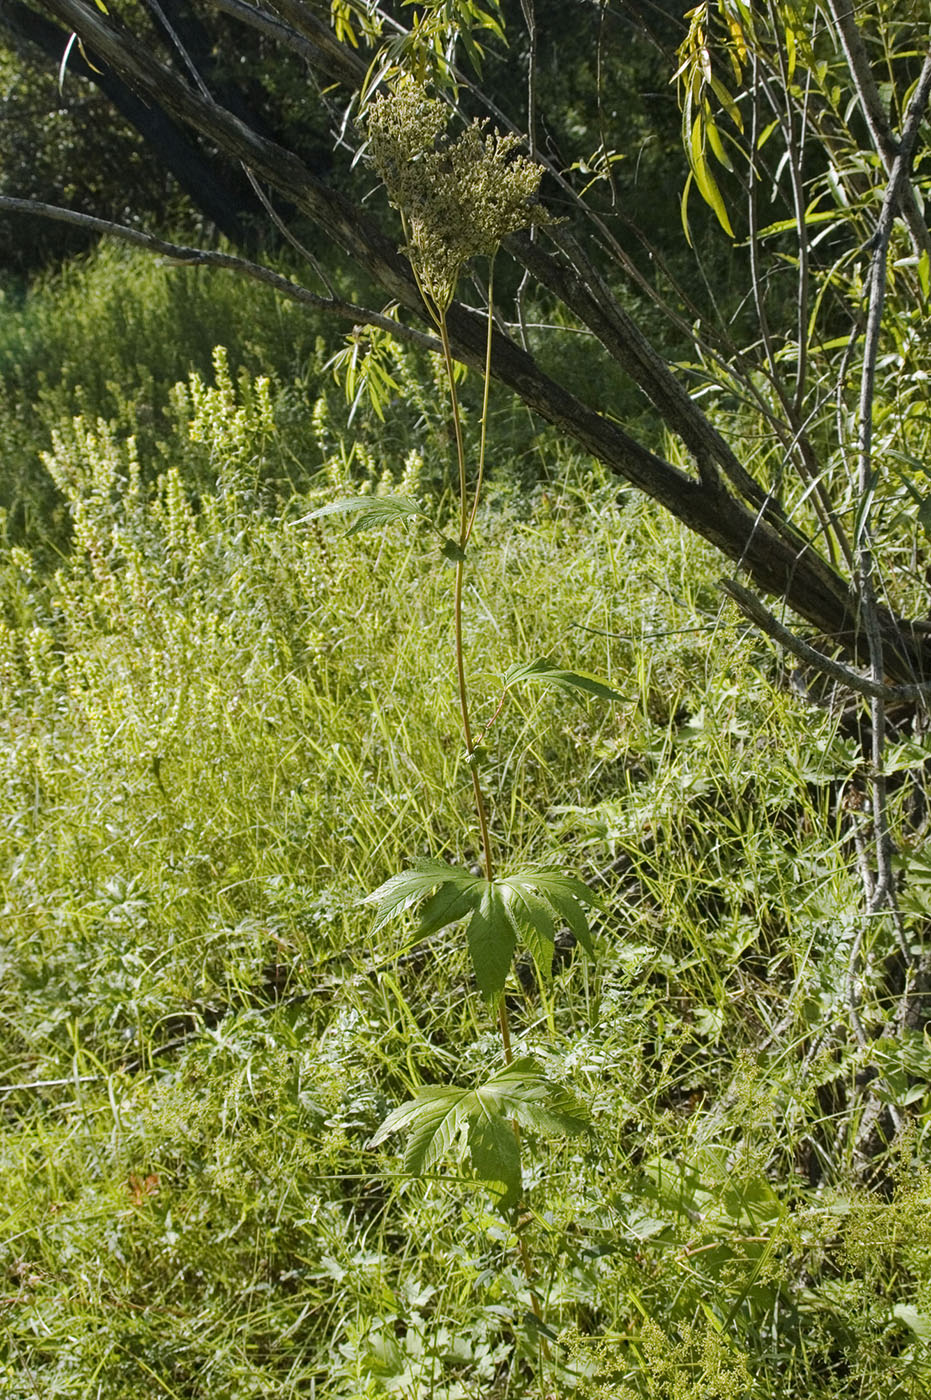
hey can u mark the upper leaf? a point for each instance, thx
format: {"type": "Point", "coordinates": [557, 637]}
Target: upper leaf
{"type": "Point", "coordinates": [371, 511]}
{"type": "Point", "coordinates": [566, 894]}
{"type": "Point", "coordinates": [532, 921]}
{"type": "Point", "coordinates": [544, 672]}
{"type": "Point", "coordinates": [492, 939]}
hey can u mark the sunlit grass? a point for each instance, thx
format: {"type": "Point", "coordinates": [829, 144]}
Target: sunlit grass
{"type": "Point", "coordinates": [223, 728]}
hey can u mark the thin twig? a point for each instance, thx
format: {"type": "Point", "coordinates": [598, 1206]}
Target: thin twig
{"type": "Point", "coordinates": [751, 606]}
{"type": "Point", "coordinates": [884, 893]}
{"type": "Point", "coordinates": [871, 103]}
{"type": "Point", "coordinates": [203, 257]}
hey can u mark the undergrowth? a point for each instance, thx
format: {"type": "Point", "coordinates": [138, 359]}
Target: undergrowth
{"type": "Point", "coordinates": [222, 727]}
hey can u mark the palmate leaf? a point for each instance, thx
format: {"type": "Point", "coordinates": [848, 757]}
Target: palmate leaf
{"type": "Point", "coordinates": [410, 886]}
{"type": "Point", "coordinates": [491, 934]}
{"type": "Point", "coordinates": [433, 1117]}
{"type": "Point", "coordinates": [494, 1150]}
{"type": "Point", "coordinates": [566, 894]}
{"type": "Point", "coordinates": [533, 923]}
{"type": "Point", "coordinates": [371, 511]}
{"type": "Point", "coordinates": [522, 1092]}
{"type": "Point", "coordinates": [574, 683]}
{"type": "Point", "coordinates": [492, 940]}
{"type": "Point", "coordinates": [519, 1093]}
{"type": "Point", "coordinates": [519, 908]}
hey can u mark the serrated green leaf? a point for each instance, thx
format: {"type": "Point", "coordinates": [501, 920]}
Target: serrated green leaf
{"type": "Point", "coordinates": [491, 943]}
{"type": "Point", "coordinates": [532, 922]}
{"type": "Point", "coordinates": [543, 672]}
{"type": "Point", "coordinates": [402, 1117]}
{"type": "Point", "coordinates": [453, 901]}
{"type": "Point", "coordinates": [434, 1129]}
{"type": "Point", "coordinates": [371, 511]}
{"type": "Point", "coordinates": [495, 1153]}
{"type": "Point", "coordinates": [549, 881]}
{"type": "Point", "coordinates": [568, 896]}
{"type": "Point", "coordinates": [573, 915]}
{"type": "Point", "coordinates": [409, 886]}
{"type": "Point", "coordinates": [522, 1092]}
{"type": "Point", "coordinates": [434, 1117]}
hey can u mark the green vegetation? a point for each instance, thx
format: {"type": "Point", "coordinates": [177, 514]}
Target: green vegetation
{"type": "Point", "coordinates": [225, 724]}
{"type": "Point", "coordinates": [454, 944]}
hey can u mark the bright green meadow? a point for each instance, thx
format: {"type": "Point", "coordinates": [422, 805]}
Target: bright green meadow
{"type": "Point", "coordinates": [224, 725]}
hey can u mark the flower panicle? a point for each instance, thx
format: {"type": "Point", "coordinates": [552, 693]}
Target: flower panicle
{"type": "Point", "coordinates": [460, 197]}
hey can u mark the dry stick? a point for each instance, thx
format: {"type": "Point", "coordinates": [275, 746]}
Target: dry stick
{"type": "Point", "coordinates": [750, 604]}
{"type": "Point", "coordinates": [203, 257]}
{"type": "Point", "coordinates": [260, 194]}
{"type": "Point", "coordinates": [283, 229]}
{"type": "Point", "coordinates": [878, 275]}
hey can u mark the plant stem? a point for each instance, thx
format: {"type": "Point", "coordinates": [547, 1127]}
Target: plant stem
{"type": "Point", "coordinates": [466, 521]}
{"type": "Point", "coordinates": [464, 527]}
{"type": "Point", "coordinates": [487, 387]}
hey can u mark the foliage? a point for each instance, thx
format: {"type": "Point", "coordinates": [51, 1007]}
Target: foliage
{"type": "Point", "coordinates": [226, 725]}
{"type": "Point", "coordinates": [63, 144]}
{"type": "Point", "coordinates": [116, 338]}
{"type": "Point", "coordinates": [215, 715]}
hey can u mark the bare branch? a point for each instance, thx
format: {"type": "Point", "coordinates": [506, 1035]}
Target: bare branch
{"type": "Point", "coordinates": [871, 102]}
{"type": "Point", "coordinates": [203, 257]}
{"type": "Point", "coordinates": [751, 607]}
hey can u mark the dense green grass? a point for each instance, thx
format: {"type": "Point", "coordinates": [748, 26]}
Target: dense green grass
{"type": "Point", "coordinates": [224, 726]}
